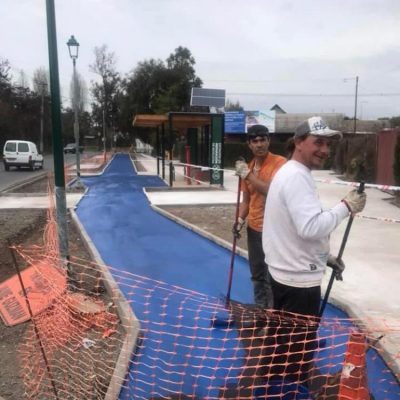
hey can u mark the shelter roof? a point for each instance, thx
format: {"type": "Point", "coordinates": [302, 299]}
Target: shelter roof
{"type": "Point", "coordinates": [178, 120]}
{"type": "Point", "coordinates": [149, 120]}
{"type": "Point", "coordinates": [190, 120]}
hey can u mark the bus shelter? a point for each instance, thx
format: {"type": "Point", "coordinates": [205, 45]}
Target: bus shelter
{"type": "Point", "coordinates": [203, 134]}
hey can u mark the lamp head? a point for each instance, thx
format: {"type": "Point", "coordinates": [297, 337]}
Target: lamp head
{"type": "Point", "coordinates": [73, 47]}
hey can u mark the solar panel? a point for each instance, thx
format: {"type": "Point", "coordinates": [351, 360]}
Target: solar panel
{"type": "Point", "coordinates": [207, 97]}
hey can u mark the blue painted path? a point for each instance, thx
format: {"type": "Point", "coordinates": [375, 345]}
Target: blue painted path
{"type": "Point", "coordinates": [132, 237]}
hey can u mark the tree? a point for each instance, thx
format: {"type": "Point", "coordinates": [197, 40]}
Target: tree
{"type": "Point", "coordinates": [41, 81]}
{"type": "Point", "coordinates": [182, 78]}
{"type": "Point", "coordinates": [41, 86]}
{"type": "Point", "coordinates": [395, 122]}
{"type": "Point", "coordinates": [82, 92]}
{"type": "Point", "coordinates": [148, 81]}
{"type": "Point", "coordinates": [157, 87]}
{"type": "Point", "coordinates": [23, 80]}
{"type": "Point", "coordinates": [19, 108]}
{"type": "Point", "coordinates": [231, 106]}
{"type": "Point", "coordinates": [85, 125]}
{"type": "Point", "coordinates": [5, 80]}
{"type": "Point", "coordinates": [106, 93]}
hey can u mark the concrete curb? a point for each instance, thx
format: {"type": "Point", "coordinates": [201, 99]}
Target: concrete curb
{"type": "Point", "coordinates": [26, 181]}
{"type": "Point", "coordinates": [223, 243]}
{"type": "Point", "coordinates": [128, 318]}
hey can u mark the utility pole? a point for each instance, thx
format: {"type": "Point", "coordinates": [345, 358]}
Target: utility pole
{"type": "Point", "coordinates": [104, 134]}
{"type": "Point", "coordinates": [41, 144]}
{"type": "Point", "coordinates": [59, 179]}
{"type": "Point", "coordinates": [355, 107]}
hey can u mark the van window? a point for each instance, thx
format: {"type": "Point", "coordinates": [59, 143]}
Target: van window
{"type": "Point", "coordinates": [23, 147]}
{"type": "Point", "coordinates": [11, 146]}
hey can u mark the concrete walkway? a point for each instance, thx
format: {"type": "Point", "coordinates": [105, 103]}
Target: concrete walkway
{"type": "Point", "coordinates": [35, 201]}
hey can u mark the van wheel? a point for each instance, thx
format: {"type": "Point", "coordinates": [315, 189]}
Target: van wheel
{"type": "Point", "coordinates": [32, 166]}
{"type": "Point", "coordinates": [41, 165]}
{"type": "Point", "coordinates": [6, 167]}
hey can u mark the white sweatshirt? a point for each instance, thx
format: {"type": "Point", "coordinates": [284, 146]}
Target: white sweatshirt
{"type": "Point", "coordinates": [296, 230]}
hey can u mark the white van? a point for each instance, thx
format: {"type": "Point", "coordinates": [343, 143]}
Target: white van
{"type": "Point", "coordinates": [21, 153]}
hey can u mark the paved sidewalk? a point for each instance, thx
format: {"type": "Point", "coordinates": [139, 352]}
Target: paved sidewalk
{"type": "Point", "coordinates": [36, 201]}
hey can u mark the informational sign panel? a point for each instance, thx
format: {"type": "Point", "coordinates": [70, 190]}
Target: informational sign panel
{"type": "Point", "coordinates": [207, 97]}
{"type": "Point", "coordinates": [235, 122]}
{"type": "Point", "coordinates": [217, 137]}
{"type": "Point", "coordinates": [266, 118]}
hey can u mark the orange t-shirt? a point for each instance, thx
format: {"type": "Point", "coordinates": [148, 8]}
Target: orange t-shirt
{"type": "Point", "coordinates": [267, 171]}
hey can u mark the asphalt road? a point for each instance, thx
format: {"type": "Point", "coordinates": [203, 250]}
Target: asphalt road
{"type": "Point", "coordinates": [15, 176]}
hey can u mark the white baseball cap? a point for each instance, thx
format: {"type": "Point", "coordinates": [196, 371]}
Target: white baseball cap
{"type": "Point", "coordinates": [317, 127]}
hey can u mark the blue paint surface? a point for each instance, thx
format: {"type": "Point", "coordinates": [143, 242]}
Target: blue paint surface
{"type": "Point", "coordinates": [132, 237]}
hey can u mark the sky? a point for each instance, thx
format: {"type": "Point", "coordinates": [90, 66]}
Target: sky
{"type": "Point", "coordinates": [303, 55]}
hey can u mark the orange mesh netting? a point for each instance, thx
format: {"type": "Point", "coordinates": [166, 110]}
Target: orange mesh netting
{"type": "Point", "coordinates": [191, 344]}
{"type": "Point", "coordinates": [158, 341]}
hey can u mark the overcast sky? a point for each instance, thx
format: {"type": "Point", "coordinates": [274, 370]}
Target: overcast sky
{"type": "Point", "coordinates": [295, 53]}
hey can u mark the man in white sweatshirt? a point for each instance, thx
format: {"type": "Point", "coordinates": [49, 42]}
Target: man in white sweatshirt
{"type": "Point", "coordinates": [296, 229]}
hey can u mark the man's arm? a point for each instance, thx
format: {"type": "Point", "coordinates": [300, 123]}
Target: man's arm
{"type": "Point", "coordinates": [260, 185]}
{"type": "Point", "coordinates": [304, 206]}
{"type": "Point", "coordinates": [243, 212]}
{"type": "Point", "coordinates": [244, 205]}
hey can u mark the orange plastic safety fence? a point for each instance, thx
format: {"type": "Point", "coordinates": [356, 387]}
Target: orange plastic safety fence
{"type": "Point", "coordinates": [192, 345]}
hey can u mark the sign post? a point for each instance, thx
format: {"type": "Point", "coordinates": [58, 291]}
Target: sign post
{"type": "Point", "coordinates": [217, 142]}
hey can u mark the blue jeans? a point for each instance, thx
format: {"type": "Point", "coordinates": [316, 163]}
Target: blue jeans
{"type": "Point", "coordinates": [259, 270]}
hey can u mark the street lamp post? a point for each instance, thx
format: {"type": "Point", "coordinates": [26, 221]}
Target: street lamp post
{"type": "Point", "coordinates": [42, 89]}
{"type": "Point", "coordinates": [73, 47]}
{"type": "Point", "coordinates": [355, 102]}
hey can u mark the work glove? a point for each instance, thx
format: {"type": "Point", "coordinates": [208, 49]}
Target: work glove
{"type": "Point", "coordinates": [337, 266]}
{"type": "Point", "coordinates": [242, 169]}
{"type": "Point", "coordinates": [237, 227]}
{"type": "Point", "coordinates": [355, 201]}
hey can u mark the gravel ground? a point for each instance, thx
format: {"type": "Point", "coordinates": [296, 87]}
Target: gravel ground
{"type": "Point", "coordinates": [26, 227]}
{"type": "Point", "coordinates": [217, 220]}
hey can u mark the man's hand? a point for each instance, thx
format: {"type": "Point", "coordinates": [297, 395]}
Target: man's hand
{"type": "Point", "coordinates": [337, 266]}
{"type": "Point", "coordinates": [237, 227]}
{"type": "Point", "coordinates": [242, 169]}
{"type": "Point", "coordinates": [355, 201]}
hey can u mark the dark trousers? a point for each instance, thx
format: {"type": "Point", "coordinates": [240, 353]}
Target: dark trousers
{"type": "Point", "coordinates": [259, 270]}
{"type": "Point", "coordinates": [304, 301]}
{"type": "Point", "coordinates": [292, 338]}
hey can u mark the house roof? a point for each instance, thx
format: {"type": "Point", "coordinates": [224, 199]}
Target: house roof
{"type": "Point", "coordinates": [278, 109]}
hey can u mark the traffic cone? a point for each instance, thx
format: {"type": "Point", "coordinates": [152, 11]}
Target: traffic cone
{"type": "Point", "coordinates": [353, 381]}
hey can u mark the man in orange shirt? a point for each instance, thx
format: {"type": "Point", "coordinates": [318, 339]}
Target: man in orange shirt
{"type": "Point", "coordinates": [256, 178]}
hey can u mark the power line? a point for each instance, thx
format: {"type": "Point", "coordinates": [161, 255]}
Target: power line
{"type": "Point", "coordinates": [313, 94]}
